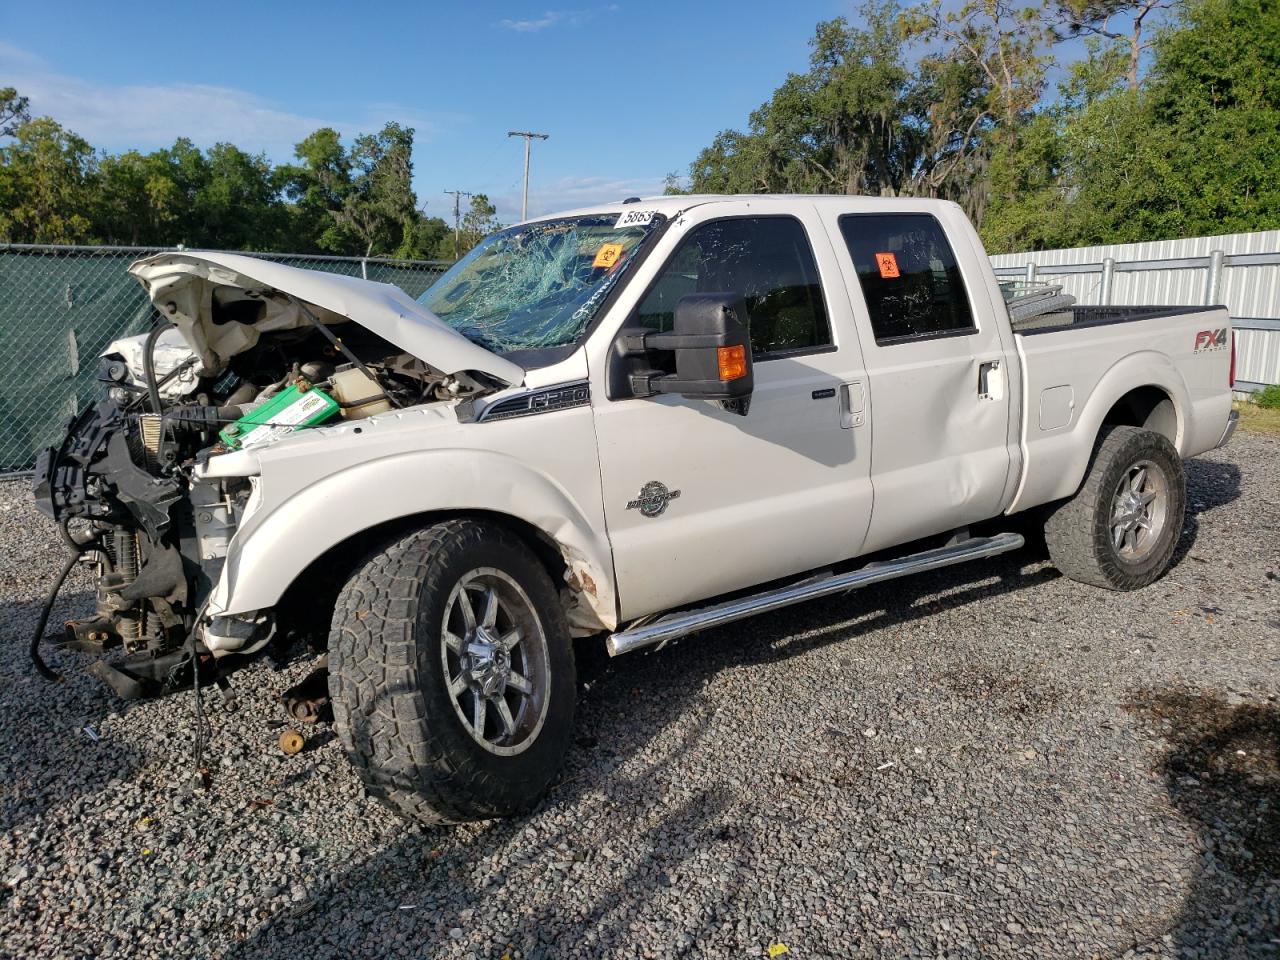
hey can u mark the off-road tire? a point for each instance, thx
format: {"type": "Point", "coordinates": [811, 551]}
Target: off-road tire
{"type": "Point", "coordinates": [1078, 531]}
{"type": "Point", "coordinates": [392, 711]}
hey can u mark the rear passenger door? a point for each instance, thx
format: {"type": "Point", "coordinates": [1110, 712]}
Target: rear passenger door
{"type": "Point", "coordinates": [938, 365]}
{"type": "Point", "coordinates": [701, 500]}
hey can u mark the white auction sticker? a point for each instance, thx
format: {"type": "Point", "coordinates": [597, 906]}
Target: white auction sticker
{"type": "Point", "coordinates": [635, 218]}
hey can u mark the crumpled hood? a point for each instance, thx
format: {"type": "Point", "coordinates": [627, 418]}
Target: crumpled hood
{"type": "Point", "coordinates": [189, 287]}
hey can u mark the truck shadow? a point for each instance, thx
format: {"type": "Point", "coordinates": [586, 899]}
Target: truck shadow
{"type": "Point", "coordinates": [622, 779]}
{"type": "Point", "coordinates": [1210, 484]}
{"type": "Point", "coordinates": [1222, 775]}
{"type": "Point", "coordinates": [622, 772]}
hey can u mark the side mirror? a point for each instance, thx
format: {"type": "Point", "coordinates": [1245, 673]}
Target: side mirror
{"type": "Point", "coordinates": [712, 351]}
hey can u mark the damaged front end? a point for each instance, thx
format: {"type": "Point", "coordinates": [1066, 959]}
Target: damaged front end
{"type": "Point", "coordinates": [118, 492]}
{"type": "Point", "coordinates": [247, 353]}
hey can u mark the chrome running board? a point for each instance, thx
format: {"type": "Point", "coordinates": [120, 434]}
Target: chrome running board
{"type": "Point", "coordinates": [673, 625]}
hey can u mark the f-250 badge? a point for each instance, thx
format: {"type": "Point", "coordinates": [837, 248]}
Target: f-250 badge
{"type": "Point", "coordinates": [1211, 340]}
{"type": "Point", "coordinates": [653, 499]}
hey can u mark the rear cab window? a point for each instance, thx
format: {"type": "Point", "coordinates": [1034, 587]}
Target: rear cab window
{"type": "Point", "coordinates": [769, 261]}
{"type": "Point", "coordinates": [909, 277]}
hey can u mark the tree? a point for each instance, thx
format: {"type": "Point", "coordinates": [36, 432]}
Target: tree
{"type": "Point", "coordinates": [1189, 152]}
{"type": "Point", "coordinates": [238, 205]}
{"type": "Point", "coordinates": [1097, 18]}
{"type": "Point", "coordinates": [137, 199]}
{"type": "Point", "coordinates": [1003, 42]}
{"type": "Point", "coordinates": [850, 124]}
{"type": "Point", "coordinates": [480, 220]}
{"type": "Point", "coordinates": [360, 201]}
{"type": "Point", "coordinates": [380, 208]}
{"type": "Point", "coordinates": [907, 103]}
{"type": "Point", "coordinates": [14, 111]}
{"type": "Point", "coordinates": [1215, 100]}
{"type": "Point", "coordinates": [319, 188]}
{"type": "Point", "coordinates": [46, 185]}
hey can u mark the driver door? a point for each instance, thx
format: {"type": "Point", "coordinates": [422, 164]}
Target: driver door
{"type": "Point", "coordinates": [700, 500]}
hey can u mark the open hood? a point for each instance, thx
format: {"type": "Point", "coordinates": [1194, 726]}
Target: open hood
{"type": "Point", "coordinates": [205, 296]}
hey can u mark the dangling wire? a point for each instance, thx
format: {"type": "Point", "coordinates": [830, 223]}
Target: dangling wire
{"type": "Point", "coordinates": [44, 669]}
{"type": "Point", "coordinates": [198, 780]}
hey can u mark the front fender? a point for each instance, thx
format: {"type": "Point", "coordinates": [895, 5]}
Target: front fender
{"type": "Point", "coordinates": [278, 540]}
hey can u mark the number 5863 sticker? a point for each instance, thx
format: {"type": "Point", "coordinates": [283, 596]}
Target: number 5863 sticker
{"type": "Point", "coordinates": [635, 218]}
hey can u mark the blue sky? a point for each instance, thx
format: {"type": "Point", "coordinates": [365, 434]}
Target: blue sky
{"type": "Point", "coordinates": [629, 91]}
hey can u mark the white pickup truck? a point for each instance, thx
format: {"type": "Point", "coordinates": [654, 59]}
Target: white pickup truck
{"type": "Point", "coordinates": [627, 424]}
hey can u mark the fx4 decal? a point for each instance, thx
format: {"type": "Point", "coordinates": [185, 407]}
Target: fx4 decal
{"type": "Point", "coordinates": [1207, 340]}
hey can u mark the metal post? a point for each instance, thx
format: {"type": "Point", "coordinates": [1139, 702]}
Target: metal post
{"type": "Point", "coordinates": [1108, 280]}
{"type": "Point", "coordinates": [457, 218]}
{"type": "Point", "coordinates": [364, 268]}
{"type": "Point", "coordinates": [524, 195]}
{"type": "Point", "coordinates": [528, 136]}
{"type": "Point", "coordinates": [1029, 276]}
{"type": "Point", "coordinates": [1213, 280]}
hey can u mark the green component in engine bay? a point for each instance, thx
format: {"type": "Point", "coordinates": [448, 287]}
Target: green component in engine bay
{"type": "Point", "coordinates": [298, 406]}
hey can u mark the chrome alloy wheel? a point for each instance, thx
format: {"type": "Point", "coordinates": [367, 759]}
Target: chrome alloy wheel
{"type": "Point", "coordinates": [1139, 510]}
{"type": "Point", "coordinates": [496, 661]}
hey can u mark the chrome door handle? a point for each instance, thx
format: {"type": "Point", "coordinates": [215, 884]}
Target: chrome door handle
{"type": "Point", "coordinates": [852, 402]}
{"type": "Point", "coordinates": [990, 380]}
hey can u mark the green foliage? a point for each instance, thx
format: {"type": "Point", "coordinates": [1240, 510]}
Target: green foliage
{"type": "Point", "coordinates": [919, 101]}
{"type": "Point", "coordinates": [47, 178]}
{"type": "Point", "coordinates": [478, 222]}
{"type": "Point", "coordinates": [54, 188]}
{"type": "Point", "coordinates": [911, 102]}
{"type": "Point", "coordinates": [1191, 152]}
{"type": "Point", "coordinates": [13, 111]}
{"type": "Point", "coordinates": [1269, 397]}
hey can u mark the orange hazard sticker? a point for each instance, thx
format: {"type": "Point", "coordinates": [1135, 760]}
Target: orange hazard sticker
{"type": "Point", "coordinates": [607, 255]}
{"type": "Point", "coordinates": [888, 265]}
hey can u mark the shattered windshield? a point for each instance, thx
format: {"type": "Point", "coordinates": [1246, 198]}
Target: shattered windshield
{"type": "Point", "coordinates": [536, 285]}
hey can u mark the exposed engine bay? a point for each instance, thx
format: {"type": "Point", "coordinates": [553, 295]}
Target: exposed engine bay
{"type": "Point", "coordinates": [232, 364]}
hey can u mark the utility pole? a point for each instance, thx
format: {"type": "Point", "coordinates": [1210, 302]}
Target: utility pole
{"type": "Point", "coordinates": [457, 215]}
{"type": "Point", "coordinates": [528, 137]}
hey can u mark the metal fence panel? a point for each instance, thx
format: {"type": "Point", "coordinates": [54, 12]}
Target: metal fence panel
{"type": "Point", "coordinates": [1178, 280]}
{"type": "Point", "coordinates": [61, 306]}
{"type": "Point", "coordinates": [1257, 357]}
{"type": "Point", "coordinates": [1240, 270]}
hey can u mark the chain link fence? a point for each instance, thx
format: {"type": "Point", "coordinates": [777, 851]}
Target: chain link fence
{"type": "Point", "coordinates": [59, 308]}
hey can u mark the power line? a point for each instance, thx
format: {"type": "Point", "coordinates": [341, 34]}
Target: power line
{"type": "Point", "coordinates": [457, 215]}
{"type": "Point", "coordinates": [529, 137]}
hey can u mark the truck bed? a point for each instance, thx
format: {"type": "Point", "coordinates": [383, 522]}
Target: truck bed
{"type": "Point", "coordinates": [1078, 362]}
{"type": "Point", "coordinates": [1076, 317]}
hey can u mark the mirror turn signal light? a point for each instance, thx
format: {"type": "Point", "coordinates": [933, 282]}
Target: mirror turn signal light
{"type": "Point", "coordinates": [732, 362]}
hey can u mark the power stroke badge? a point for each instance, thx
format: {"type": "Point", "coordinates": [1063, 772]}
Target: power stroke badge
{"type": "Point", "coordinates": [653, 499]}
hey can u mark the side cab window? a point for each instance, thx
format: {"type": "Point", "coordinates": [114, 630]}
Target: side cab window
{"type": "Point", "coordinates": [766, 259]}
{"type": "Point", "coordinates": [909, 276]}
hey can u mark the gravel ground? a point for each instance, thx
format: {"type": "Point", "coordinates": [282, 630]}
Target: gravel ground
{"type": "Point", "coordinates": [991, 761]}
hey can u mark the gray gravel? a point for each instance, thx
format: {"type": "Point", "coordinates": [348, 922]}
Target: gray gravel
{"type": "Point", "coordinates": [990, 761]}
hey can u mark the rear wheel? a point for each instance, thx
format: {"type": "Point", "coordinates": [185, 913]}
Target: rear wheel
{"type": "Point", "coordinates": [452, 676]}
{"type": "Point", "coordinates": [1120, 529]}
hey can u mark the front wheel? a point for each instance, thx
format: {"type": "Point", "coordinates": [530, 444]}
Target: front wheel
{"type": "Point", "coordinates": [451, 673]}
{"type": "Point", "coordinates": [1120, 529]}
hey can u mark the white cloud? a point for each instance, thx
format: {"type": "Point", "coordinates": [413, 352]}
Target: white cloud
{"type": "Point", "coordinates": [550, 18]}
{"type": "Point", "coordinates": [145, 116]}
